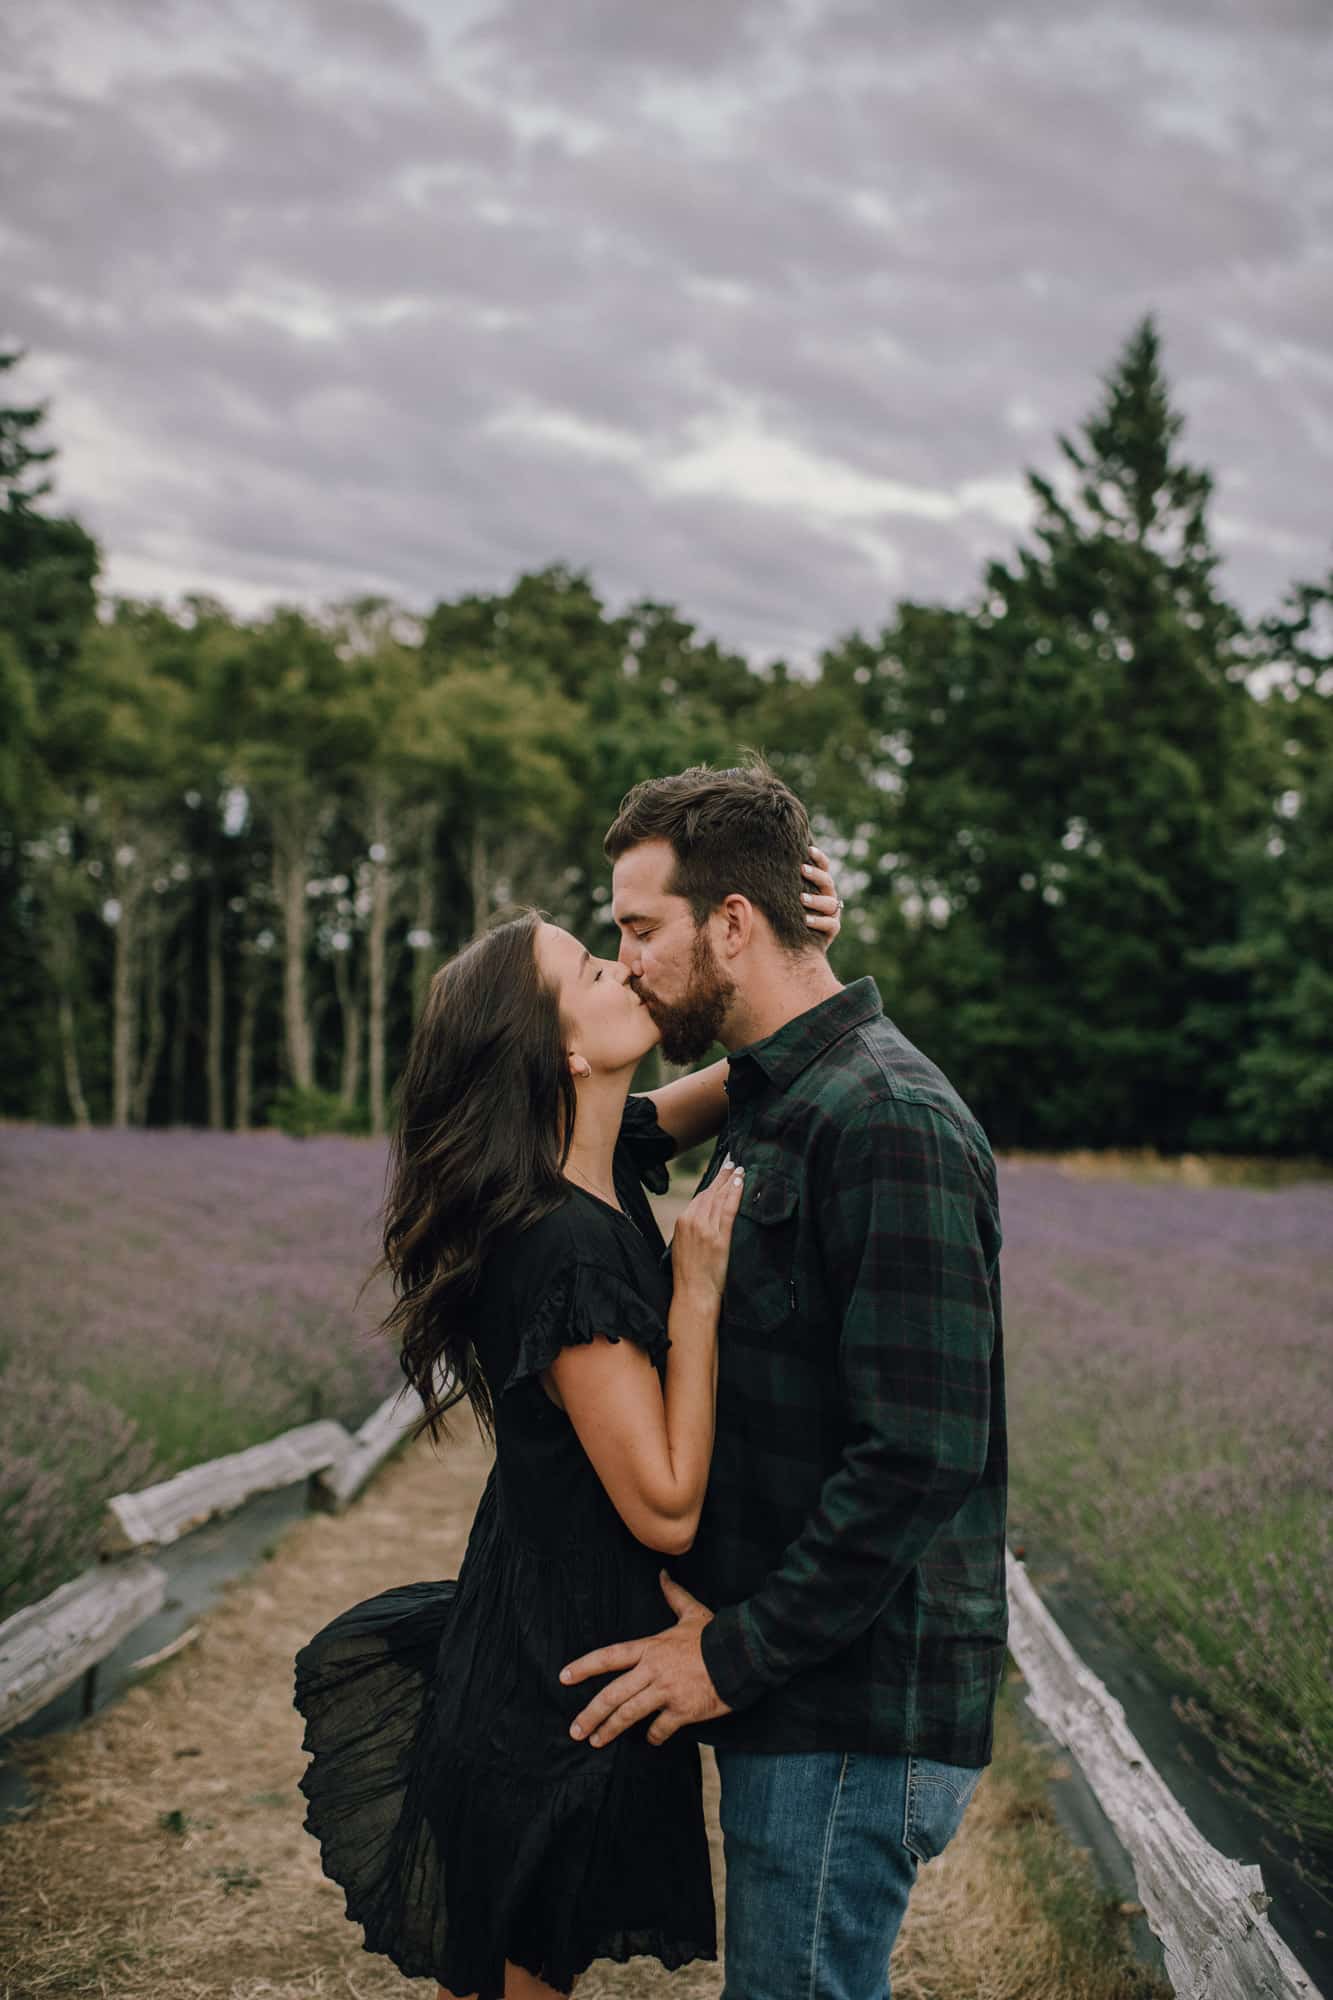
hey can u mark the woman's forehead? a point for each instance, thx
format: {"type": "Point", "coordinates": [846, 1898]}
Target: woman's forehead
{"type": "Point", "coordinates": [560, 949]}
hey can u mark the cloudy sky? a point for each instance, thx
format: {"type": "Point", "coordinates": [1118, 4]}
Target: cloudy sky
{"type": "Point", "coordinates": [759, 306]}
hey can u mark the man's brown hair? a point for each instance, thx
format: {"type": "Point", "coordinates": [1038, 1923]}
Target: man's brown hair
{"type": "Point", "coordinates": [739, 832]}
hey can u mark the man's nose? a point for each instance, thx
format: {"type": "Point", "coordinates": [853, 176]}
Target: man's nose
{"type": "Point", "coordinates": [629, 956]}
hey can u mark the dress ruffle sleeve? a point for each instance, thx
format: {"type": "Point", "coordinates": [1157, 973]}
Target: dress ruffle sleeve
{"type": "Point", "coordinates": [582, 1300]}
{"type": "Point", "coordinates": [646, 1146]}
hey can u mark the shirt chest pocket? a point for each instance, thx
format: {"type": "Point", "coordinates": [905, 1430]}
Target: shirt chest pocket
{"type": "Point", "coordinates": [762, 1276]}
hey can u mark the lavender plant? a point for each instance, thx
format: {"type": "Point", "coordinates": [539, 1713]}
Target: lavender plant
{"type": "Point", "coordinates": [172, 1296]}
{"type": "Point", "coordinates": [1170, 1359]}
{"type": "Point", "coordinates": [169, 1297]}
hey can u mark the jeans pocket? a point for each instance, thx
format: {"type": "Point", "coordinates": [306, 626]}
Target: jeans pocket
{"type": "Point", "coordinates": [937, 1796]}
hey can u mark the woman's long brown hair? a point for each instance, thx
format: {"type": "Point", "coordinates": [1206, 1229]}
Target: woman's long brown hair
{"type": "Point", "coordinates": [482, 1128]}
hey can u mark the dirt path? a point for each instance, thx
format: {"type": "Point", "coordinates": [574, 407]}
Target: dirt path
{"type": "Point", "coordinates": [166, 1855]}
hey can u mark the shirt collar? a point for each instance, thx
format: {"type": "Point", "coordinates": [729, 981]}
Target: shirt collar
{"type": "Point", "coordinates": [781, 1056]}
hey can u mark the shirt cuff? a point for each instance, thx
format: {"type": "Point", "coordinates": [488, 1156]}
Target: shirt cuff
{"type": "Point", "coordinates": [730, 1653]}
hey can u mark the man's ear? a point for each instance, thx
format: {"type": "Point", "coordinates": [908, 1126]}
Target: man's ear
{"type": "Point", "coordinates": [737, 914]}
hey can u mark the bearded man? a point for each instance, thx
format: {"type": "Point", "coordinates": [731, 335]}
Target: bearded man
{"type": "Point", "coordinates": [841, 1638]}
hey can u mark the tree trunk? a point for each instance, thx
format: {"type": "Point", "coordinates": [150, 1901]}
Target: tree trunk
{"type": "Point", "coordinates": [61, 960]}
{"type": "Point", "coordinates": [217, 1113]}
{"type": "Point", "coordinates": [245, 1040]}
{"type": "Point", "coordinates": [479, 882]}
{"type": "Point", "coordinates": [319, 1008]}
{"type": "Point", "coordinates": [349, 1006]}
{"type": "Point", "coordinates": [425, 956]}
{"type": "Point", "coordinates": [381, 892]}
{"type": "Point", "coordinates": [180, 1031]}
{"type": "Point", "coordinates": [351, 1062]}
{"type": "Point", "coordinates": [290, 869]}
{"type": "Point", "coordinates": [69, 1049]}
{"type": "Point", "coordinates": [124, 1009]}
{"type": "Point", "coordinates": [152, 998]}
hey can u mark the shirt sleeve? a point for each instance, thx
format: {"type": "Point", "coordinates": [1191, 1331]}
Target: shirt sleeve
{"type": "Point", "coordinates": [643, 1142]}
{"type": "Point", "coordinates": [909, 1235]}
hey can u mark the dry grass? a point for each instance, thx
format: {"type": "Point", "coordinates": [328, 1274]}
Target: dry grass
{"type": "Point", "coordinates": [166, 1855]}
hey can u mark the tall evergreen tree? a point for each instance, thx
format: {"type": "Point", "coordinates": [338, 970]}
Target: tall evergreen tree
{"type": "Point", "coordinates": [48, 563]}
{"type": "Point", "coordinates": [1282, 1095]}
{"type": "Point", "coordinates": [48, 567]}
{"type": "Point", "coordinates": [19, 451]}
{"type": "Point", "coordinates": [1070, 792]}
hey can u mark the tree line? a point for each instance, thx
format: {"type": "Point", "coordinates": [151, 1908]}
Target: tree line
{"type": "Point", "coordinates": [1083, 821]}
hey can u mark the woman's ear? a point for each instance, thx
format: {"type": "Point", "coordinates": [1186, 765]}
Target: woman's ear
{"type": "Point", "coordinates": [579, 1066]}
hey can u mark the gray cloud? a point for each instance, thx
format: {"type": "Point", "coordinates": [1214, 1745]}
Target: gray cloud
{"type": "Point", "coordinates": [571, 42]}
{"type": "Point", "coordinates": [410, 299]}
{"type": "Point", "coordinates": [378, 29]}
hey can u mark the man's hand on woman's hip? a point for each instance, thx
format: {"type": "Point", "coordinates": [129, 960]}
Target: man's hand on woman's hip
{"type": "Point", "coordinates": [663, 1676]}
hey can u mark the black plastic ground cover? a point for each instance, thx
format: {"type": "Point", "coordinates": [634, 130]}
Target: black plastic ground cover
{"type": "Point", "coordinates": [1188, 1764]}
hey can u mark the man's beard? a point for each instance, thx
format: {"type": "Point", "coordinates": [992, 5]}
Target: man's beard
{"type": "Point", "coordinates": [691, 1026]}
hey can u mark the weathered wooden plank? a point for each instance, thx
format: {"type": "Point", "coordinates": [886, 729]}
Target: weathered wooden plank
{"type": "Point", "coordinates": [1207, 1910]}
{"type": "Point", "coordinates": [161, 1514]}
{"type": "Point", "coordinates": [167, 1652]}
{"type": "Point", "coordinates": [371, 1445]}
{"type": "Point", "coordinates": [46, 1646]}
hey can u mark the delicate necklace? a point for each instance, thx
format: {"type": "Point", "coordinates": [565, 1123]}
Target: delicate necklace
{"type": "Point", "coordinates": [609, 1199]}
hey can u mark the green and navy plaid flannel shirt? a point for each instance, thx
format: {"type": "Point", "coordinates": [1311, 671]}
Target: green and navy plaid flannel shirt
{"type": "Point", "coordinates": [852, 1539]}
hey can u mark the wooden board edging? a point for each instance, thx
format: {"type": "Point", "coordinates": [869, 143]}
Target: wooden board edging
{"type": "Point", "coordinates": [1208, 1911]}
{"type": "Point", "coordinates": [45, 1647]}
{"type": "Point", "coordinates": [379, 1435]}
{"type": "Point", "coordinates": [158, 1515]}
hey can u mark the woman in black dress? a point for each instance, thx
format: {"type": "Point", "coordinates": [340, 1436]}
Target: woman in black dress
{"type": "Point", "coordinates": [475, 1840]}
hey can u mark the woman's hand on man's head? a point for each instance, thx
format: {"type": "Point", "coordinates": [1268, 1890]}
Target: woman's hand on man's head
{"type": "Point", "coordinates": [823, 904]}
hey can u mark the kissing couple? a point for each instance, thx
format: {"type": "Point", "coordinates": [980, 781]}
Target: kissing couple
{"type": "Point", "coordinates": [748, 1492]}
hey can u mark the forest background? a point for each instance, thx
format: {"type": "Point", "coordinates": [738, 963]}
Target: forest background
{"type": "Point", "coordinates": [1083, 821]}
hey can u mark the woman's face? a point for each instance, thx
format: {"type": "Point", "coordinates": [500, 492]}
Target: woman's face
{"type": "Point", "coordinates": [605, 1021]}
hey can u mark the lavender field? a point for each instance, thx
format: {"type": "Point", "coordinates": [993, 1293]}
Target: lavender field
{"type": "Point", "coordinates": [167, 1297]}
{"type": "Point", "coordinates": [1170, 1359]}
{"type": "Point", "coordinates": [172, 1296]}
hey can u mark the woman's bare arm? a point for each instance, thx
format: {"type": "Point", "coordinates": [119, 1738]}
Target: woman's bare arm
{"type": "Point", "coordinates": [694, 1107]}
{"type": "Point", "coordinates": [651, 1446]}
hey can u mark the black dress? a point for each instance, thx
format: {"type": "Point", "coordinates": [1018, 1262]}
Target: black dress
{"type": "Point", "coordinates": [463, 1822]}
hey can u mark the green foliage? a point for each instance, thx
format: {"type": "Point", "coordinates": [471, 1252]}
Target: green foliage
{"type": "Point", "coordinates": [48, 565]}
{"type": "Point", "coordinates": [18, 705]}
{"type": "Point", "coordinates": [1281, 1097]}
{"type": "Point", "coordinates": [18, 450]}
{"type": "Point", "coordinates": [1067, 768]}
{"type": "Point", "coordinates": [1087, 863]}
{"type": "Point", "coordinates": [312, 1114]}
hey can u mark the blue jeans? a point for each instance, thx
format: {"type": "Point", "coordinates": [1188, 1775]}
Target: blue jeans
{"type": "Point", "coordinates": [822, 1850]}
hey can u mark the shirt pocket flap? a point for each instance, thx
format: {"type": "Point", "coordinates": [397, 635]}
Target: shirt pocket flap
{"type": "Point", "coordinates": [771, 1199]}
{"type": "Point", "coordinates": [760, 1290]}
